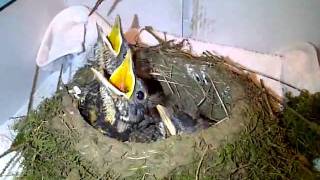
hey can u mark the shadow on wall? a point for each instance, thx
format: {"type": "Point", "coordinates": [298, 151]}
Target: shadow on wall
{"type": "Point", "coordinates": [256, 25]}
{"type": "Point", "coordinates": [5, 3]}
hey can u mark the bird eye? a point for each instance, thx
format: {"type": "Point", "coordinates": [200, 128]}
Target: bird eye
{"type": "Point", "coordinates": [140, 95]}
{"type": "Point", "coordinates": [123, 55]}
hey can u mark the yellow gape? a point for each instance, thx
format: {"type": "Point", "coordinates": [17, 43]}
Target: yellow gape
{"type": "Point", "coordinates": [123, 78]}
{"type": "Point", "coordinates": [115, 36]}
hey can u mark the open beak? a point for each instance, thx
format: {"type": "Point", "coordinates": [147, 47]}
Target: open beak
{"type": "Point", "coordinates": [122, 80]}
{"type": "Point", "coordinates": [115, 36]}
{"type": "Point", "coordinates": [123, 77]}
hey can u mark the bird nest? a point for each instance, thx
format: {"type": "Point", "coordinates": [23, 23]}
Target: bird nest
{"type": "Point", "coordinates": [209, 89]}
{"type": "Point", "coordinates": [205, 88]}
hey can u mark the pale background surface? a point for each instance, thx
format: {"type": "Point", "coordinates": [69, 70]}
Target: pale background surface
{"type": "Point", "coordinates": [263, 26]}
{"type": "Point", "coordinates": [22, 26]}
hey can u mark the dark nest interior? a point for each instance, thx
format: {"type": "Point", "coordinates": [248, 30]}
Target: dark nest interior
{"type": "Point", "coordinates": [227, 126]}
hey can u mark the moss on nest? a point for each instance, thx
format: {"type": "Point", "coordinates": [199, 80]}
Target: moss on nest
{"type": "Point", "coordinates": [277, 148]}
{"type": "Point", "coordinates": [49, 153]}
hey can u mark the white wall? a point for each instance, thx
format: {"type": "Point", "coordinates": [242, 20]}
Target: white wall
{"type": "Point", "coordinates": [22, 26]}
{"type": "Point", "coordinates": [164, 15]}
{"type": "Point", "coordinates": [254, 24]}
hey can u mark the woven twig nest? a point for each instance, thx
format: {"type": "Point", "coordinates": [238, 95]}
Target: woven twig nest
{"type": "Point", "coordinates": [205, 85]}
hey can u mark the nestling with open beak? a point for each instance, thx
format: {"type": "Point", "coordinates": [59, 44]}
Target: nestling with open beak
{"type": "Point", "coordinates": [112, 48]}
{"type": "Point", "coordinates": [118, 103]}
{"type": "Point", "coordinates": [124, 92]}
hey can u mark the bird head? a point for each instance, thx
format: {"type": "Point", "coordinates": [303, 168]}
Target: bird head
{"type": "Point", "coordinates": [122, 81]}
{"type": "Point", "coordinates": [128, 93]}
{"type": "Point", "coordinates": [114, 39]}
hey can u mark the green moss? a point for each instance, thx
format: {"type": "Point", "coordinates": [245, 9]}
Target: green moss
{"type": "Point", "coordinates": [279, 148]}
{"type": "Point", "coordinates": [48, 153]}
{"type": "Point", "coordinates": [303, 132]}
{"type": "Point", "coordinates": [308, 105]}
{"type": "Point", "coordinates": [270, 148]}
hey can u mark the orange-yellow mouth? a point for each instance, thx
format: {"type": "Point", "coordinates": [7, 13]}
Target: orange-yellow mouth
{"type": "Point", "coordinates": [115, 36]}
{"type": "Point", "coordinates": [123, 77]}
{"type": "Point", "coordinates": [122, 80]}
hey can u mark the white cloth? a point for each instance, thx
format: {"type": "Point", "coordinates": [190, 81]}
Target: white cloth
{"type": "Point", "coordinates": [300, 67]}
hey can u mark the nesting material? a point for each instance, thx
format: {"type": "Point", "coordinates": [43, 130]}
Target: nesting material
{"type": "Point", "coordinates": [165, 117]}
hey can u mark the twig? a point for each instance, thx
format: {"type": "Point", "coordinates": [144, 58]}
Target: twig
{"type": "Point", "coordinates": [143, 177]}
{"type": "Point", "coordinates": [137, 168]}
{"type": "Point", "coordinates": [9, 163]}
{"type": "Point", "coordinates": [10, 175]}
{"type": "Point", "coordinates": [160, 65]}
{"type": "Point", "coordinates": [200, 162]}
{"type": "Point", "coordinates": [59, 79]}
{"type": "Point", "coordinates": [156, 73]}
{"type": "Point", "coordinates": [165, 117]}
{"type": "Point", "coordinates": [150, 30]}
{"type": "Point", "coordinates": [168, 84]}
{"type": "Point", "coordinates": [222, 120]}
{"type": "Point", "coordinates": [7, 152]}
{"type": "Point", "coordinates": [14, 162]}
{"type": "Point", "coordinates": [205, 97]}
{"type": "Point", "coordinates": [102, 176]}
{"type": "Point", "coordinates": [95, 7]}
{"type": "Point", "coordinates": [33, 89]}
{"type": "Point", "coordinates": [266, 99]}
{"type": "Point", "coordinates": [217, 92]}
{"type": "Point", "coordinates": [113, 7]}
{"type": "Point", "coordinates": [204, 93]}
{"type": "Point", "coordinates": [177, 90]}
{"type": "Point", "coordinates": [30, 105]}
{"type": "Point", "coordinates": [213, 56]}
{"type": "Point", "coordinates": [180, 53]}
{"type": "Point", "coordinates": [16, 117]}
{"type": "Point", "coordinates": [138, 158]}
{"type": "Point", "coordinates": [171, 82]}
{"type": "Point", "coordinates": [174, 85]}
{"type": "Point", "coordinates": [254, 127]}
{"type": "Point", "coordinates": [65, 124]}
{"type": "Point", "coordinates": [170, 72]}
{"type": "Point", "coordinates": [238, 66]}
{"type": "Point", "coordinates": [311, 124]}
{"type": "Point", "coordinates": [11, 149]}
{"type": "Point", "coordinates": [237, 169]}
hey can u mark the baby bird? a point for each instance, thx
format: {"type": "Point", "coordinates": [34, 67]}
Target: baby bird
{"type": "Point", "coordinates": [111, 49]}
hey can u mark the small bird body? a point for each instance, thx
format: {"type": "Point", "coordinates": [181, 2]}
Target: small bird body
{"type": "Point", "coordinates": [115, 115]}
{"type": "Point", "coordinates": [122, 96]}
